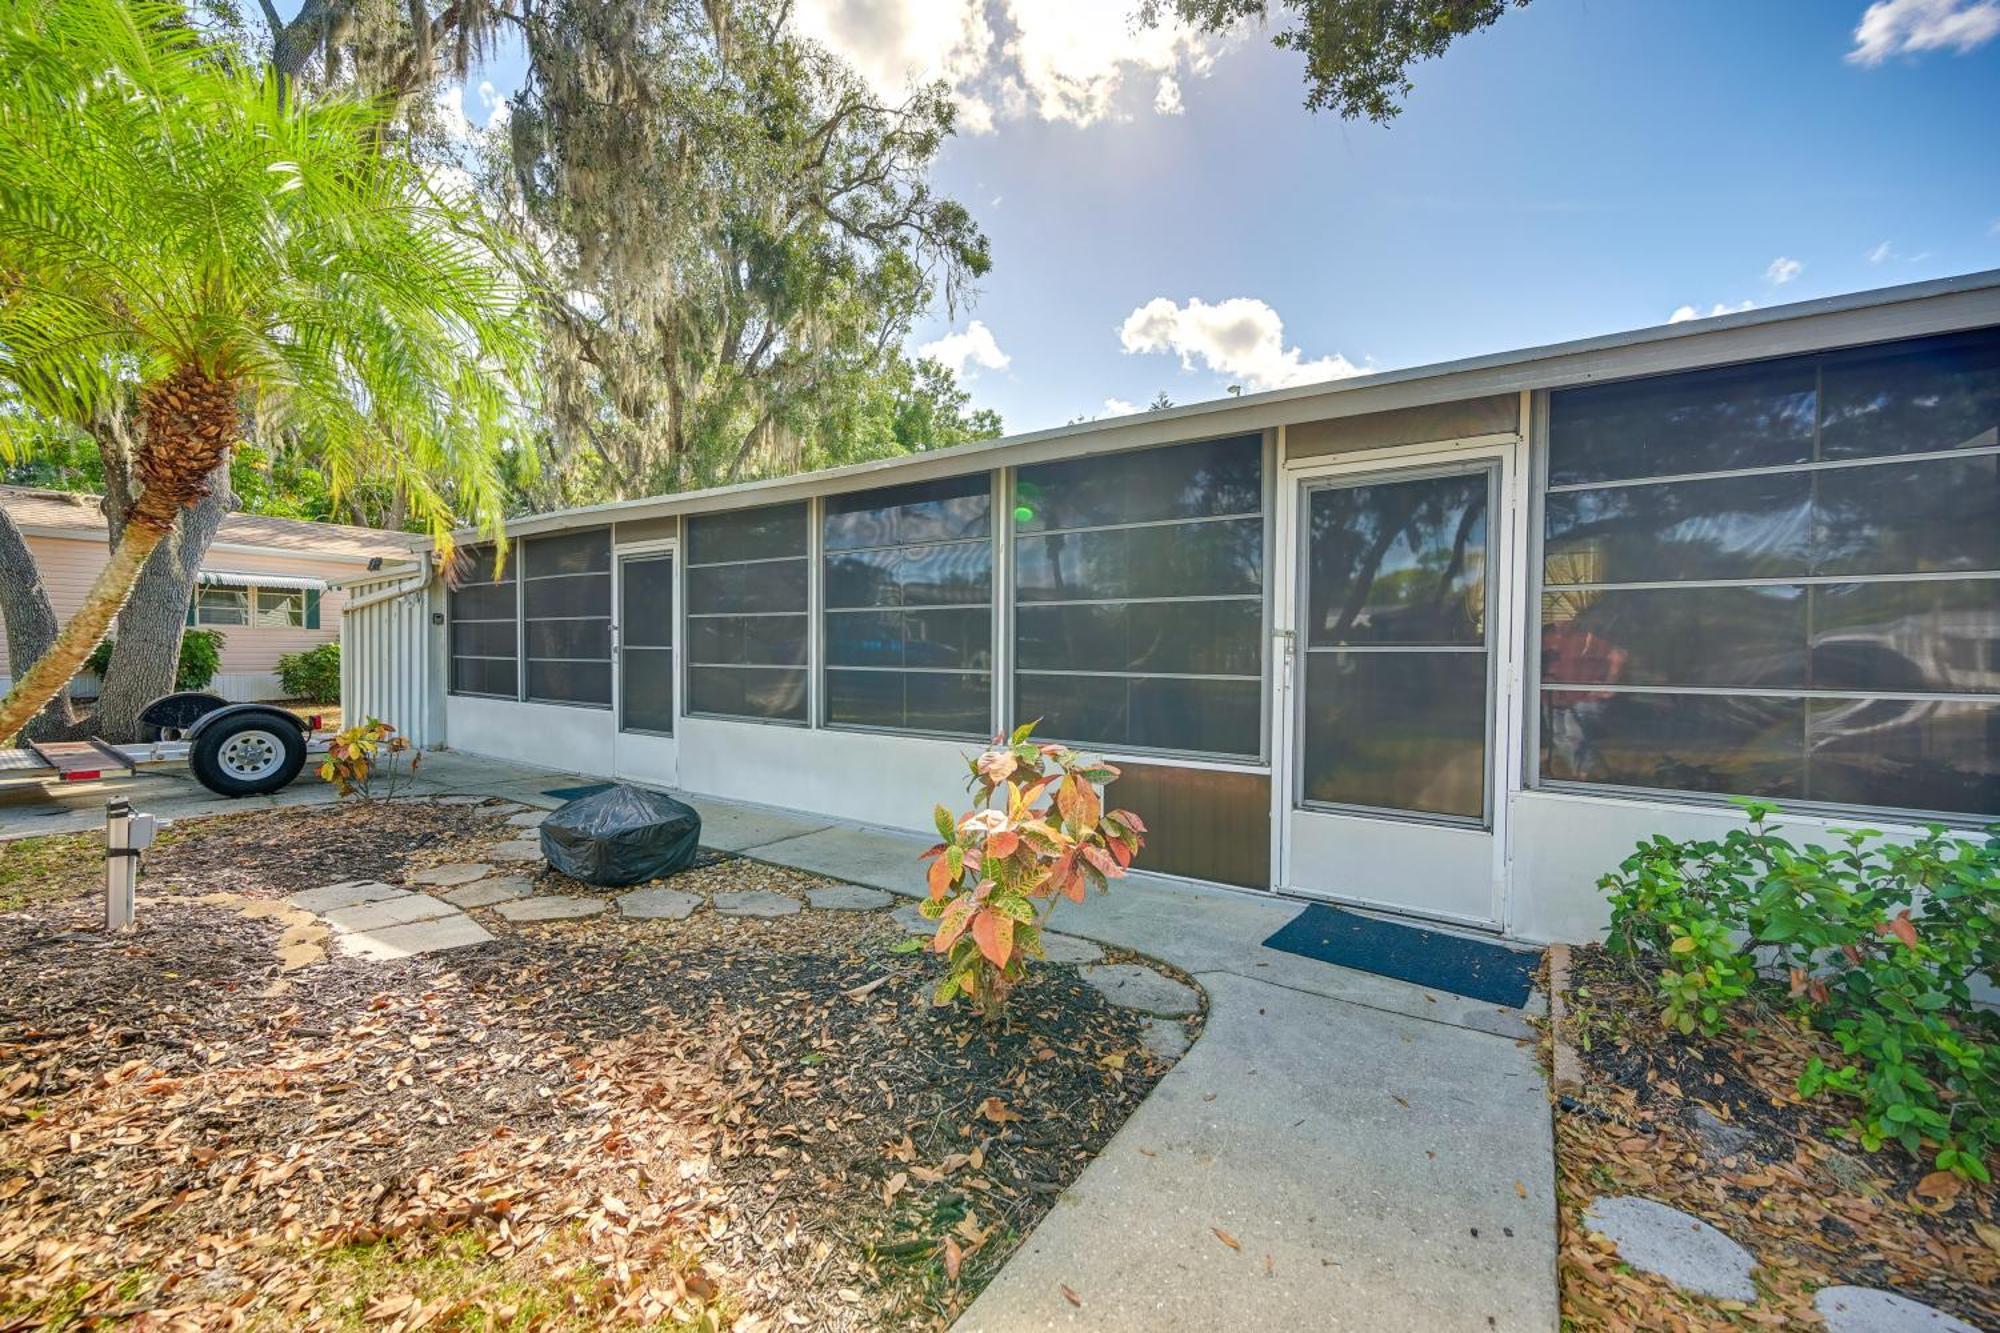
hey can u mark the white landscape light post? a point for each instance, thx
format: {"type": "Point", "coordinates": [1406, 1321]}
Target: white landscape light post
{"type": "Point", "coordinates": [126, 835]}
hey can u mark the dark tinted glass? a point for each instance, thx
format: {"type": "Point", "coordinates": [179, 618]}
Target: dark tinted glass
{"type": "Point", "coordinates": [949, 639]}
{"type": "Point", "coordinates": [570, 682]}
{"type": "Point", "coordinates": [1922, 636]}
{"type": "Point", "coordinates": [928, 511]}
{"type": "Point", "coordinates": [1398, 562]}
{"type": "Point", "coordinates": [1912, 754]}
{"type": "Point", "coordinates": [1908, 518]}
{"type": "Point", "coordinates": [1928, 395]}
{"type": "Point", "coordinates": [751, 640]}
{"type": "Point", "coordinates": [1726, 744]}
{"type": "Point", "coordinates": [566, 553]}
{"type": "Point", "coordinates": [647, 618]}
{"type": "Point", "coordinates": [1147, 485]}
{"type": "Point", "coordinates": [1676, 636]}
{"type": "Point", "coordinates": [475, 564]}
{"type": "Point", "coordinates": [947, 575]}
{"type": "Point", "coordinates": [566, 596]}
{"type": "Point", "coordinates": [908, 701]}
{"type": "Point", "coordinates": [1707, 421]}
{"type": "Point", "coordinates": [483, 639]}
{"type": "Point", "coordinates": [569, 639]}
{"type": "Point", "coordinates": [1208, 716]}
{"type": "Point", "coordinates": [778, 585]}
{"type": "Point", "coordinates": [1195, 638]}
{"type": "Point", "coordinates": [1397, 731]}
{"type": "Point", "coordinates": [1729, 527]}
{"type": "Point", "coordinates": [1176, 560]}
{"type": "Point", "coordinates": [482, 676]}
{"type": "Point", "coordinates": [646, 689]}
{"type": "Point", "coordinates": [491, 601]}
{"type": "Point", "coordinates": [747, 534]}
{"type": "Point", "coordinates": [761, 692]}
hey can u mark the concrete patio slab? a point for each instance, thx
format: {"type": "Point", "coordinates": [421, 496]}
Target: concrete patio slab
{"type": "Point", "coordinates": [529, 818]}
{"type": "Point", "coordinates": [874, 857]}
{"type": "Point", "coordinates": [395, 911]}
{"type": "Point", "coordinates": [1136, 986]}
{"type": "Point", "coordinates": [732, 828]}
{"type": "Point", "coordinates": [1069, 949]}
{"type": "Point", "coordinates": [554, 907]}
{"type": "Point", "coordinates": [344, 894]}
{"type": "Point", "coordinates": [456, 931]}
{"type": "Point", "coordinates": [486, 892]}
{"type": "Point", "coordinates": [1379, 1172]}
{"type": "Point", "coordinates": [453, 873]}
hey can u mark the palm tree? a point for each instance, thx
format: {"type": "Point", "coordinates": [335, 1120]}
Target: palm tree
{"type": "Point", "coordinates": [180, 238]}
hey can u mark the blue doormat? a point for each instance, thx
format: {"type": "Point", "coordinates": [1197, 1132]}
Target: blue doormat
{"type": "Point", "coordinates": [1473, 968]}
{"type": "Point", "coordinates": [578, 793]}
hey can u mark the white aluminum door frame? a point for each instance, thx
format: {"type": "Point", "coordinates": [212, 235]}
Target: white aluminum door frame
{"type": "Point", "coordinates": [1508, 453]}
{"type": "Point", "coordinates": [644, 756]}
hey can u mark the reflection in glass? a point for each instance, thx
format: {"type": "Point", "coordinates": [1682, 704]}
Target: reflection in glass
{"type": "Point", "coordinates": [1741, 745]}
{"type": "Point", "coordinates": [1149, 712]}
{"type": "Point", "coordinates": [472, 675]}
{"type": "Point", "coordinates": [1922, 396]}
{"type": "Point", "coordinates": [473, 638]}
{"type": "Point", "coordinates": [1708, 421]}
{"type": "Point", "coordinates": [1146, 485]}
{"type": "Point", "coordinates": [1396, 731]}
{"type": "Point", "coordinates": [566, 553]}
{"type": "Point", "coordinates": [646, 620]}
{"type": "Point", "coordinates": [1173, 560]}
{"type": "Point", "coordinates": [566, 595]}
{"type": "Point", "coordinates": [1398, 562]}
{"type": "Point", "coordinates": [938, 575]}
{"type": "Point", "coordinates": [646, 689]}
{"type": "Point", "coordinates": [1729, 527]}
{"type": "Point", "coordinates": [1675, 636]}
{"type": "Point", "coordinates": [1916, 754]}
{"type": "Point", "coordinates": [573, 640]}
{"type": "Point", "coordinates": [927, 511]}
{"type": "Point", "coordinates": [570, 682]}
{"type": "Point", "coordinates": [777, 585]}
{"type": "Point", "coordinates": [484, 601]}
{"type": "Point", "coordinates": [747, 640]}
{"type": "Point", "coordinates": [1208, 638]}
{"type": "Point", "coordinates": [1908, 518]}
{"type": "Point", "coordinates": [777, 693]}
{"type": "Point", "coordinates": [1928, 635]}
{"type": "Point", "coordinates": [747, 534]}
{"type": "Point", "coordinates": [955, 703]}
{"type": "Point", "coordinates": [958, 638]}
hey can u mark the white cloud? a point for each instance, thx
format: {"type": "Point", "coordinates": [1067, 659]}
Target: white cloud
{"type": "Point", "coordinates": [1881, 254]}
{"type": "Point", "coordinates": [1242, 338]}
{"type": "Point", "coordinates": [1118, 407]}
{"type": "Point", "coordinates": [1906, 27]}
{"type": "Point", "coordinates": [974, 347]}
{"type": "Point", "coordinates": [1070, 61]}
{"type": "Point", "coordinates": [1683, 314]}
{"type": "Point", "coordinates": [1782, 271]}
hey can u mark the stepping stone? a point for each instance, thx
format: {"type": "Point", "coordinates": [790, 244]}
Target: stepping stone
{"type": "Point", "coordinates": [1866, 1310]}
{"type": "Point", "coordinates": [495, 811]}
{"type": "Point", "coordinates": [1133, 986]}
{"type": "Point", "coordinates": [344, 894]}
{"type": "Point", "coordinates": [461, 800]}
{"type": "Point", "coordinates": [528, 818]}
{"type": "Point", "coordinates": [848, 898]}
{"type": "Point", "coordinates": [1070, 949]}
{"type": "Point", "coordinates": [755, 902]}
{"type": "Point", "coordinates": [389, 912]}
{"type": "Point", "coordinates": [417, 937]}
{"type": "Point", "coordinates": [554, 907]}
{"type": "Point", "coordinates": [658, 904]}
{"type": "Point", "coordinates": [1164, 1038]}
{"type": "Point", "coordinates": [1677, 1246]}
{"type": "Point", "coordinates": [457, 872]}
{"type": "Point", "coordinates": [516, 851]}
{"type": "Point", "coordinates": [913, 921]}
{"type": "Point", "coordinates": [486, 892]}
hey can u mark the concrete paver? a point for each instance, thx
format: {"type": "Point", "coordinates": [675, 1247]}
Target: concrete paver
{"type": "Point", "coordinates": [516, 851]}
{"type": "Point", "coordinates": [388, 912]}
{"type": "Point", "coordinates": [754, 902]}
{"type": "Point", "coordinates": [1867, 1310]}
{"type": "Point", "coordinates": [456, 931]}
{"type": "Point", "coordinates": [486, 892]}
{"type": "Point", "coordinates": [848, 898]}
{"type": "Point", "coordinates": [453, 873]}
{"type": "Point", "coordinates": [1678, 1246]}
{"type": "Point", "coordinates": [344, 894]}
{"type": "Point", "coordinates": [658, 904]}
{"type": "Point", "coordinates": [552, 907]}
{"type": "Point", "coordinates": [1135, 986]}
{"type": "Point", "coordinates": [1069, 949]}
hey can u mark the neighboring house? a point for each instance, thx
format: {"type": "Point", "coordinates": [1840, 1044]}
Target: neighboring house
{"type": "Point", "coordinates": [265, 582]}
{"type": "Point", "coordinates": [1445, 642]}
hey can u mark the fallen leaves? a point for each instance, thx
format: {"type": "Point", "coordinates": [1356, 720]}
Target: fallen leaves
{"type": "Point", "coordinates": [1226, 1238]}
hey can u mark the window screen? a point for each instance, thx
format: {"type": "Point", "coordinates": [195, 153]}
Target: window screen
{"type": "Point", "coordinates": [1139, 598]}
{"type": "Point", "coordinates": [908, 580]}
{"type": "Point", "coordinates": [646, 644]}
{"type": "Point", "coordinates": [1780, 580]}
{"type": "Point", "coordinates": [747, 623]}
{"type": "Point", "coordinates": [566, 617]}
{"type": "Point", "coordinates": [482, 613]}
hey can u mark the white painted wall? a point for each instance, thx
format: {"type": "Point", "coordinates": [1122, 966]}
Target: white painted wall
{"type": "Point", "coordinates": [893, 781]}
{"type": "Point", "coordinates": [569, 740]}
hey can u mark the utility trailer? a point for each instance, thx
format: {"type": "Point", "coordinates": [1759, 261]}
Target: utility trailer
{"type": "Point", "coordinates": [232, 749]}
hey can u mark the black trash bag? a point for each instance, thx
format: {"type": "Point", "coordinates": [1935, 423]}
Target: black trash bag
{"type": "Point", "coordinates": [621, 835]}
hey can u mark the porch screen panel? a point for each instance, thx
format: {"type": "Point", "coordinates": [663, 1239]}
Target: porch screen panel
{"type": "Point", "coordinates": [646, 644]}
{"type": "Point", "coordinates": [1139, 598]}
{"type": "Point", "coordinates": [1780, 580]}
{"type": "Point", "coordinates": [483, 630]}
{"type": "Point", "coordinates": [908, 579]}
{"type": "Point", "coordinates": [747, 622]}
{"type": "Point", "coordinates": [566, 617]}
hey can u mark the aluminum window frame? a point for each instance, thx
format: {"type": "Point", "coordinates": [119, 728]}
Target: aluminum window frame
{"type": "Point", "coordinates": [452, 619]}
{"type": "Point", "coordinates": [1006, 591]}
{"type": "Point", "coordinates": [1540, 459]}
{"type": "Point", "coordinates": [684, 703]}
{"type": "Point", "coordinates": [249, 607]}
{"type": "Point", "coordinates": [523, 577]}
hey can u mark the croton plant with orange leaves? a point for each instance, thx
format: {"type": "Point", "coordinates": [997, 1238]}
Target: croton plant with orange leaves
{"type": "Point", "coordinates": [1039, 832]}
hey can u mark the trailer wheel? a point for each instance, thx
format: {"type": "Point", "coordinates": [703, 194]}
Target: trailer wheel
{"type": "Point", "coordinates": [248, 755]}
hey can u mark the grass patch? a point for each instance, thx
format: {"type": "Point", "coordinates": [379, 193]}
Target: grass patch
{"type": "Point", "coordinates": [49, 869]}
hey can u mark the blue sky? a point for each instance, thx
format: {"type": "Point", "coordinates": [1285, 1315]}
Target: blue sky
{"type": "Point", "coordinates": [1583, 167]}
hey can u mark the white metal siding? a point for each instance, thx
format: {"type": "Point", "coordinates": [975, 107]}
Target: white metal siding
{"type": "Point", "coordinates": [385, 657]}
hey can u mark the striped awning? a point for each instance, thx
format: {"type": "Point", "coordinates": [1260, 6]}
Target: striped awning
{"type": "Point", "coordinates": [224, 578]}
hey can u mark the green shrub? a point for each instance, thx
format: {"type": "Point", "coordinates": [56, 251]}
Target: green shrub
{"type": "Point", "coordinates": [201, 658]}
{"type": "Point", "coordinates": [1874, 943]}
{"type": "Point", "coordinates": [313, 675]}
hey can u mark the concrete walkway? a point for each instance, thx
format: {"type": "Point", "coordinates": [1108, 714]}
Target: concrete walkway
{"type": "Point", "coordinates": [1378, 1156]}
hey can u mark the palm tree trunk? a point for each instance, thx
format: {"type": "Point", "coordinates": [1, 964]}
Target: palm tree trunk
{"type": "Point", "coordinates": [191, 423]}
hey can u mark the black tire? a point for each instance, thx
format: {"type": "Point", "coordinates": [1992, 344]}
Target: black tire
{"type": "Point", "coordinates": [252, 754]}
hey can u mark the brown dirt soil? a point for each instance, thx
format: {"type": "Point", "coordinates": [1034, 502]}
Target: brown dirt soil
{"type": "Point", "coordinates": [710, 1123]}
{"type": "Point", "coordinates": [1815, 1209]}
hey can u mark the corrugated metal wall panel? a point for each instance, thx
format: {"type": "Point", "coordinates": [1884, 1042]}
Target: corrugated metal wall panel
{"type": "Point", "coordinates": [385, 659]}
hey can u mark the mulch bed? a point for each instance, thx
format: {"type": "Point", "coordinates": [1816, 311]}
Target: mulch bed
{"type": "Point", "coordinates": [710, 1123]}
{"type": "Point", "coordinates": [1715, 1128]}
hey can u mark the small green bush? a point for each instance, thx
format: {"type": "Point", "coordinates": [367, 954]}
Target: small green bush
{"type": "Point", "coordinates": [313, 675]}
{"type": "Point", "coordinates": [1874, 943]}
{"type": "Point", "coordinates": [201, 658]}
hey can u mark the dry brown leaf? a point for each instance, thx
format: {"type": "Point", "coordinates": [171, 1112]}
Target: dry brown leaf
{"type": "Point", "coordinates": [1069, 1295]}
{"type": "Point", "coordinates": [1226, 1238]}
